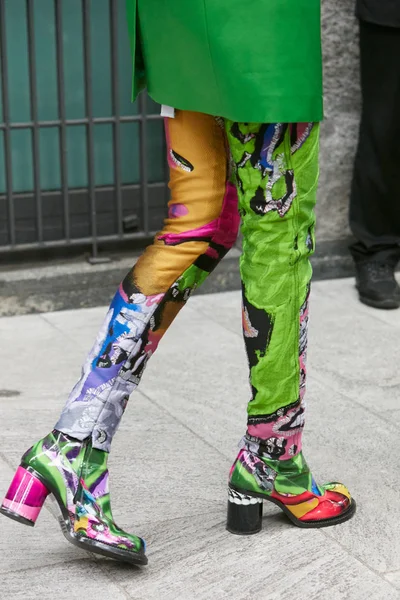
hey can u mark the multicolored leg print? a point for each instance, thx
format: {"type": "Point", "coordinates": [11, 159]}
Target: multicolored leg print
{"type": "Point", "coordinates": [277, 176]}
{"type": "Point", "coordinates": [277, 173]}
{"type": "Point", "coordinates": [201, 227]}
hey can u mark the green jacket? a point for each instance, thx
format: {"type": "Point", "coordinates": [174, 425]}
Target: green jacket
{"type": "Point", "coordinates": [246, 60]}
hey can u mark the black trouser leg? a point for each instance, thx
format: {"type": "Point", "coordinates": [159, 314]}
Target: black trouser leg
{"type": "Point", "coordinates": [375, 194]}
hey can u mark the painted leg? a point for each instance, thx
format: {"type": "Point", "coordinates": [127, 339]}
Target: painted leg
{"type": "Point", "coordinates": [277, 175]}
{"type": "Point", "coordinates": [201, 228]}
{"type": "Point", "coordinates": [71, 462]}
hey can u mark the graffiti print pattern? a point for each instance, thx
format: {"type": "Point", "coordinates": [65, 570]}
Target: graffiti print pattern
{"type": "Point", "coordinates": [152, 294]}
{"type": "Point", "coordinates": [201, 227]}
{"type": "Point", "coordinates": [277, 172]}
{"type": "Point", "coordinates": [289, 483]}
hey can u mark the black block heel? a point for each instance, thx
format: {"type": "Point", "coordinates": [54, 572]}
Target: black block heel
{"type": "Point", "coordinates": [244, 513]}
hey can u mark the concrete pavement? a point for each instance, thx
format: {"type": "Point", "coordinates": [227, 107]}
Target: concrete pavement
{"type": "Point", "coordinates": [176, 443]}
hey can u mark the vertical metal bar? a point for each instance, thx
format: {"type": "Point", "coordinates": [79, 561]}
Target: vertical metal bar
{"type": "Point", "coordinates": [166, 172]}
{"type": "Point", "coordinates": [90, 124]}
{"type": "Point", "coordinates": [62, 117]}
{"type": "Point", "coordinates": [144, 174]}
{"type": "Point", "coordinates": [116, 111]}
{"type": "Point", "coordinates": [34, 118]}
{"type": "Point", "coordinates": [7, 131]}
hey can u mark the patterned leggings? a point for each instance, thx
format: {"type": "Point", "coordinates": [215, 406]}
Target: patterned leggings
{"type": "Point", "coordinates": [275, 168]}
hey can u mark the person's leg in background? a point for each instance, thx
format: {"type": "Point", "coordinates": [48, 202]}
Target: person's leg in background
{"type": "Point", "coordinates": [71, 462]}
{"type": "Point", "coordinates": [375, 194]}
{"type": "Point", "coordinates": [277, 176]}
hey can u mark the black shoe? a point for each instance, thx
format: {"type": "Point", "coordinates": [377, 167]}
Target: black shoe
{"type": "Point", "coordinates": [377, 285]}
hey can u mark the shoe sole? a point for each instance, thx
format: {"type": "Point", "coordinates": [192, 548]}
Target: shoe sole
{"type": "Point", "coordinates": [342, 518]}
{"type": "Point", "coordinates": [97, 547]}
{"type": "Point", "coordinates": [382, 304]}
{"type": "Point", "coordinates": [139, 559]}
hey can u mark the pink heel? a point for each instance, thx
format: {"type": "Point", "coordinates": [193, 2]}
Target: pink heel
{"type": "Point", "coordinates": [25, 498]}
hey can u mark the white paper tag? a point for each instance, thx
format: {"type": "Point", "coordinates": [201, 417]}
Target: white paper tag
{"type": "Point", "coordinates": [168, 112]}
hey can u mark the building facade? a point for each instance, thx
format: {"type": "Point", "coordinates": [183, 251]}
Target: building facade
{"type": "Point", "coordinates": [81, 165]}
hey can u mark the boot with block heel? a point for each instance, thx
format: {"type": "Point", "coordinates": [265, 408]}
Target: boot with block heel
{"type": "Point", "coordinates": [76, 475]}
{"type": "Point", "coordinates": [288, 484]}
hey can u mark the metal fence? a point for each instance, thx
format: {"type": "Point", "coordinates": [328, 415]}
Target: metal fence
{"type": "Point", "coordinates": [48, 198]}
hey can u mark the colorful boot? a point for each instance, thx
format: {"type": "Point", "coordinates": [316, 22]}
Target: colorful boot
{"type": "Point", "coordinates": [77, 476]}
{"type": "Point", "coordinates": [201, 228]}
{"type": "Point", "coordinates": [288, 484]}
{"type": "Point", "coordinates": [277, 175]}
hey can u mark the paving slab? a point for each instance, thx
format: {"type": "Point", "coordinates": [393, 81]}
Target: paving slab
{"type": "Point", "coordinates": [394, 578]}
{"type": "Point", "coordinates": [71, 580]}
{"type": "Point", "coordinates": [346, 442]}
{"type": "Point", "coordinates": [355, 350]}
{"type": "Point", "coordinates": [172, 454]}
{"type": "Point", "coordinates": [196, 558]}
{"type": "Point", "coordinates": [33, 352]}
